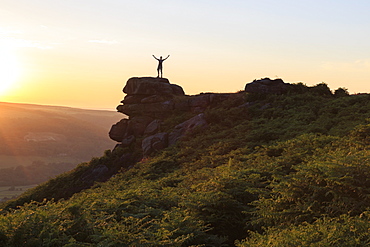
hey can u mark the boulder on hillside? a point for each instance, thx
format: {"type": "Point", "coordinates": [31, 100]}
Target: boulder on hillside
{"type": "Point", "coordinates": [151, 86]}
{"type": "Point", "coordinates": [266, 85]}
{"type": "Point", "coordinates": [137, 125]}
{"type": "Point", "coordinates": [153, 127]}
{"type": "Point", "coordinates": [153, 143]}
{"type": "Point", "coordinates": [180, 130]}
{"type": "Point", "coordinates": [118, 130]}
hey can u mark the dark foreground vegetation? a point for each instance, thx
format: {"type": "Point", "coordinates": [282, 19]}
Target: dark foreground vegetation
{"type": "Point", "coordinates": [269, 170]}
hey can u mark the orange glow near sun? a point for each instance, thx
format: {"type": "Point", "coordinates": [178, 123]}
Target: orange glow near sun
{"type": "Point", "coordinates": [9, 69]}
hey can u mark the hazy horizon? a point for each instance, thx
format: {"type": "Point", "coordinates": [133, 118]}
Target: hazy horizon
{"type": "Point", "coordinates": [62, 106]}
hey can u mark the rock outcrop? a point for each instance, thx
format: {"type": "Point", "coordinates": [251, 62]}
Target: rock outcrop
{"type": "Point", "coordinates": [149, 86]}
{"type": "Point", "coordinates": [149, 96]}
{"type": "Point", "coordinates": [199, 121]}
{"type": "Point", "coordinates": [266, 85]}
{"type": "Point", "coordinates": [148, 102]}
{"type": "Point", "coordinates": [154, 142]}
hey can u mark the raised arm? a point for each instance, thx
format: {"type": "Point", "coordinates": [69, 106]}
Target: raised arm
{"type": "Point", "coordinates": [155, 57]}
{"type": "Point", "coordinates": [166, 57]}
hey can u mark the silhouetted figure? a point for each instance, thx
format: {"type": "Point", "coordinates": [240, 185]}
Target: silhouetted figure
{"type": "Point", "coordinates": [160, 66]}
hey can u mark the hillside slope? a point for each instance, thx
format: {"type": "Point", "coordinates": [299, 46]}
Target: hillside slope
{"type": "Point", "coordinates": [268, 169]}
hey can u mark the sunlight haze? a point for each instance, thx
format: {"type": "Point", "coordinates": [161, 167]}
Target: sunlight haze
{"type": "Point", "coordinates": [81, 53]}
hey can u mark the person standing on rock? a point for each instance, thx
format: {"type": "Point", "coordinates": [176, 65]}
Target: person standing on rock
{"type": "Point", "coordinates": [160, 66]}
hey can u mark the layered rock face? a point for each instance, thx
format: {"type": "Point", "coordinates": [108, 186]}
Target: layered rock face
{"type": "Point", "coordinates": [149, 96]}
{"type": "Point", "coordinates": [147, 103]}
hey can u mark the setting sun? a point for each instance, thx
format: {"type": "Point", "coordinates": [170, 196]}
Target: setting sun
{"type": "Point", "coordinates": [9, 69]}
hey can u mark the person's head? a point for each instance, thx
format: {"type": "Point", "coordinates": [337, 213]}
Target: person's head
{"type": "Point", "coordinates": [160, 57]}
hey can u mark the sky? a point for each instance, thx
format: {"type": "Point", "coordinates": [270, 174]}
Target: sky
{"type": "Point", "coordinates": [80, 53]}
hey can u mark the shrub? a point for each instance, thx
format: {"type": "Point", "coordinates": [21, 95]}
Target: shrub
{"type": "Point", "coordinates": [341, 92]}
{"type": "Point", "coordinates": [343, 231]}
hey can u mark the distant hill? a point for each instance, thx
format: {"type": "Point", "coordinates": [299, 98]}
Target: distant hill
{"type": "Point", "coordinates": [39, 134]}
{"type": "Point", "coordinates": [101, 118]}
{"type": "Point", "coordinates": [277, 164]}
{"type": "Point", "coordinates": [52, 131]}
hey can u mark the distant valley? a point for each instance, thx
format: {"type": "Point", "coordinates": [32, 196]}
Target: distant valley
{"type": "Point", "coordinates": [38, 142]}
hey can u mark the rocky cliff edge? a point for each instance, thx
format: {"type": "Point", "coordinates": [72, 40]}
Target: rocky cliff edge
{"type": "Point", "coordinates": [148, 102]}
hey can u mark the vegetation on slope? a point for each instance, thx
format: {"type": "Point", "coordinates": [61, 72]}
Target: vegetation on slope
{"type": "Point", "coordinates": [269, 170]}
